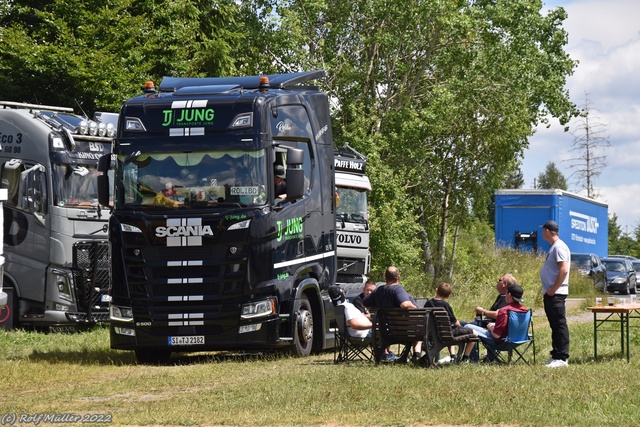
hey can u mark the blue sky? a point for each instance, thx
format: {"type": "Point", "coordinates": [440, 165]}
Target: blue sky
{"type": "Point", "coordinates": [604, 35]}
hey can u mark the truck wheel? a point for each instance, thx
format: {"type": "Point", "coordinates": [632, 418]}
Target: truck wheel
{"type": "Point", "coordinates": [303, 333]}
{"type": "Point", "coordinates": [152, 356]}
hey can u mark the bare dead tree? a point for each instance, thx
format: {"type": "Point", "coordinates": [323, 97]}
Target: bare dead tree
{"type": "Point", "coordinates": [590, 142]}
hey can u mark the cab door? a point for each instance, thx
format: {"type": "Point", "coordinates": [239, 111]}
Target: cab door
{"type": "Point", "coordinates": [26, 233]}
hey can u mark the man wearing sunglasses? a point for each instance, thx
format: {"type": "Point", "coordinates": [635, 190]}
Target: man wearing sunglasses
{"type": "Point", "coordinates": [490, 315]}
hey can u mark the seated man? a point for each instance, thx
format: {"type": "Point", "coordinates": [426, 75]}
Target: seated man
{"type": "Point", "coordinates": [280, 182]}
{"type": "Point", "coordinates": [358, 326]}
{"type": "Point", "coordinates": [484, 316]}
{"type": "Point", "coordinates": [393, 295]}
{"type": "Point", "coordinates": [495, 333]}
{"type": "Point", "coordinates": [443, 291]}
{"type": "Point", "coordinates": [492, 313]}
{"type": "Point", "coordinates": [369, 287]}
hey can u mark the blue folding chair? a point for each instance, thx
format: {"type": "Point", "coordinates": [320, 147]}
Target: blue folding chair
{"type": "Point", "coordinates": [520, 338]}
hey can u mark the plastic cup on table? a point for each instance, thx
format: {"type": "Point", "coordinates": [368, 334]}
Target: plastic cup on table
{"type": "Point", "coordinates": [611, 301]}
{"type": "Point", "coordinates": [598, 301]}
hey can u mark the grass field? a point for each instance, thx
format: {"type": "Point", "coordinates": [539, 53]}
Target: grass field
{"type": "Point", "coordinates": [80, 374]}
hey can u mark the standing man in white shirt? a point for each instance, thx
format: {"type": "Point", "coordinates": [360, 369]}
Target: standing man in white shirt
{"type": "Point", "coordinates": [554, 276]}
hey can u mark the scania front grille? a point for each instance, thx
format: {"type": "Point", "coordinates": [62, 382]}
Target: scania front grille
{"type": "Point", "coordinates": [210, 271]}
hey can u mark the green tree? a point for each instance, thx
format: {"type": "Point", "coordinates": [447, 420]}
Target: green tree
{"type": "Point", "coordinates": [97, 54]}
{"type": "Point", "coordinates": [514, 180]}
{"type": "Point", "coordinates": [552, 178]}
{"type": "Point", "coordinates": [441, 96]}
{"type": "Point", "coordinates": [619, 241]}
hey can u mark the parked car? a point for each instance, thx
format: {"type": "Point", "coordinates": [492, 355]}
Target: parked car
{"type": "Point", "coordinates": [590, 265]}
{"type": "Point", "coordinates": [629, 257]}
{"type": "Point", "coordinates": [621, 276]}
{"type": "Point", "coordinates": [636, 267]}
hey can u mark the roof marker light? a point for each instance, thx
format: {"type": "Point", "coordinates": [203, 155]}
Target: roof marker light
{"type": "Point", "coordinates": [149, 87]}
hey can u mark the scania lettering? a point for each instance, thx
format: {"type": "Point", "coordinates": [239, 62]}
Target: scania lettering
{"type": "Point", "coordinates": [204, 255]}
{"type": "Point", "coordinates": [55, 233]}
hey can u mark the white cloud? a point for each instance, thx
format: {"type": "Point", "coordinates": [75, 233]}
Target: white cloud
{"type": "Point", "coordinates": [604, 35]}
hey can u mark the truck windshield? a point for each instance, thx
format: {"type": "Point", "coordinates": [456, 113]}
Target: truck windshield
{"type": "Point", "coordinates": [75, 185]}
{"type": "Point", "coordinates": [194, 179]}
{"type": "Point", "coordinates": [352, 205]}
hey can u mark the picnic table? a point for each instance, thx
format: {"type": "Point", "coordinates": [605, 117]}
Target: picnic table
{"type": "Point", "coordinates": [617, 315]}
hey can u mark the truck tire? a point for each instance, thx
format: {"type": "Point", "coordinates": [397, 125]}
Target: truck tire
{"type": "Point", "coordinates": [152, 356]}
{"type": "Point", "coordinates": [303, 328]}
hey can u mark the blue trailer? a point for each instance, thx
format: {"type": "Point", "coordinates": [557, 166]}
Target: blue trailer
{"type": "Point", "coordinates": [583, 222]}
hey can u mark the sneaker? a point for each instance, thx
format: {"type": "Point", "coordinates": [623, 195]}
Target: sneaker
{"type": "Point", "coordinates": [446, 359]}
{"type": "Point", "coordinates": [390, 357]}
{"type": "Point", "coordinates": [557, 363]}
{"type": "Point", "coordinates": [453, 358]}
{"type": "Point", "coordinates": [549, 360]}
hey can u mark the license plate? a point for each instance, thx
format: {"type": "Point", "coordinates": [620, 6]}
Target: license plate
{"type": "Point", "coordinates": [191, 340]}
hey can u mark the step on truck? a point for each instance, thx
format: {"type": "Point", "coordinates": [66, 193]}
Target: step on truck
{"type": "Point", "coordinates": [205, 254]}
{"type": "Point", "coordinates": [55, 234]}
{"type": "Point", "coordinates": [352, 218]}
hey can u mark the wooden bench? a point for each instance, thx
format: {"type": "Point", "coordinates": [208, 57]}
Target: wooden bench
{"type": "Point", "coordinates": [441, 336]}
{"type": "Point", "coordinates": [406, 326]}
{"type": "Point", "coordinates": [398, 326]}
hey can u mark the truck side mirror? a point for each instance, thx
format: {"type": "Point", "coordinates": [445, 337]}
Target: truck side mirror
{"type": "Point", "coordinates": [104, 163]}
{"type": "Point", "coordinates": [295, 184]}
{"type": "Point", "coordinates": [33, 191]}
{"type": "Point", "coordinates": [295, 174]}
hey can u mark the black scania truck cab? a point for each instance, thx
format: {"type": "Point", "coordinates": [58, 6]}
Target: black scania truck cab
{"type": "Point", "coordinates": [204, 256]}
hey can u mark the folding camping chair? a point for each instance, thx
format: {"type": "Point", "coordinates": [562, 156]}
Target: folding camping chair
{"type": "Point", "coordinates": [520, 338]}
{"type": "Point", "coordinates": [348, 348]}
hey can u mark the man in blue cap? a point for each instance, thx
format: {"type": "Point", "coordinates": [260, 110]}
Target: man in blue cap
{"type": "Point", "coordinates": [554, 276]}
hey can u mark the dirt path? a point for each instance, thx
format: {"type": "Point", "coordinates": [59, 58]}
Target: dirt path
{"type": "Point", "coordinates": [581, 317]}
{"type": "Point", "coordinates": [571, 304]}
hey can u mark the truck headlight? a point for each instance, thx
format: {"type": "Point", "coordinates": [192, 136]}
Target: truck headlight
{"type": "Point", "coordinates": [63, 283]}
{"type": "Point", "coordinates": [121, 314]}
{"type": "Point", "coordinates": [260, 308]}
{"type": "Point", "coordinates": [240, 225]}
{"type": "Point", "coordinates": [130, 228]}
{"type": "Point", "coordinates": [130, 332]}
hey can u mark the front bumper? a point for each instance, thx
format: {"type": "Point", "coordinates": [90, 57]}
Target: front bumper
{"type": "Point", "coordinates": [617, 287]}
